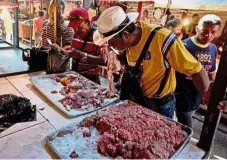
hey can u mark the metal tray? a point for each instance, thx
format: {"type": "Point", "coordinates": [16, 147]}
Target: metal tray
{"type": "Point", "coordinates": [45, 85]}
{"type": "Point", "coordinates": [86, 147]}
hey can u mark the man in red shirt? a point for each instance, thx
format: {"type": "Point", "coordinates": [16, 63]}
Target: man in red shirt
{"type": "Point", "coordinates": [37, 26]}
{"type": "Point", "coordinates": [87, 57]}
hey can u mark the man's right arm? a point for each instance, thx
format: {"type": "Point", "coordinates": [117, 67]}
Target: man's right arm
{"type": "Point", "coordinates": [182, 61]}
{"type": "Point", "coordinates": [201, 81]}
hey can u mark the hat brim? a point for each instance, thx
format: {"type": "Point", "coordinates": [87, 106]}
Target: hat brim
{"type": "Point", "coordinates": [100, 40]}
{"type": "Point", "coordinates": [73, 23]}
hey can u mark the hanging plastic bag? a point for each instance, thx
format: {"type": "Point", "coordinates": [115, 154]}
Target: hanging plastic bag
{"type": "Point", "coordinates": [57, 61]}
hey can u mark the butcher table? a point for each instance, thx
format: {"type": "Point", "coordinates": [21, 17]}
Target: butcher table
{"type": "Point", "coordinates": [27, 140]}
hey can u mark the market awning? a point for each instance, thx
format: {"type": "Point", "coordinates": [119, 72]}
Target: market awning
{"type": "Point", "coordinates": [115, 1]}
{"type": "Point", "coordinates": [7, 4]}
{"type": "Point", "coordinates": [218, 5]}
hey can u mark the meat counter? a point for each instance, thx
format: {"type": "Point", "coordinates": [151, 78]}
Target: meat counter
{"type": "Point", "coordinates": [27, 140]}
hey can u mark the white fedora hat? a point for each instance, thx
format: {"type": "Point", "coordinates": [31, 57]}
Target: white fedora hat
{"type": "Point", "coordinates": [111, 22]}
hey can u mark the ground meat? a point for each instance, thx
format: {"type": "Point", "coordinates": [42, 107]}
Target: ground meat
{"type": "Point", "coordinates": [74, 155]}
{"type": "Point", "coordinates": [132, 132]}
{"type": "Point", "coordinates": [63, 133]}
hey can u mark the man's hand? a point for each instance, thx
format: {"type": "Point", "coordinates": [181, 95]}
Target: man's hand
{"type": "Point", "coordinates": [75, 54]}
{"type": "Point", "coordinates": [223, 106]}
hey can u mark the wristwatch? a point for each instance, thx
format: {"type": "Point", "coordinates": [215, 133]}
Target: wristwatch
{"type": "Point", "coordinates": [84, 56]}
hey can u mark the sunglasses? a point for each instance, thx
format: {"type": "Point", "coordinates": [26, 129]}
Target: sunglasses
{"type": "Point", "coordinates": [75, 18]}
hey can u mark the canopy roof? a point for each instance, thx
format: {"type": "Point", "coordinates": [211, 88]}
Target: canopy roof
{"type": "Point", "coordinates": [218, 5]}
{"type": "Point", "coordinates": [7, 4]}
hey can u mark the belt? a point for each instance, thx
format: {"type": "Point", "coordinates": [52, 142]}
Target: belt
{"type": "Point", "coordinates": [165, 99]}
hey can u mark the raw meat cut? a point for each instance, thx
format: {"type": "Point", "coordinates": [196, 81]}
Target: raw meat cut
{"type": "Point", "coordinates": [80, 93]}
{"type": "Point", "coordinates": [74, 155]}
{"type": "Point", "coordinates": [113, 66]}
{"type": "Point", "coordinates": [130, 131]}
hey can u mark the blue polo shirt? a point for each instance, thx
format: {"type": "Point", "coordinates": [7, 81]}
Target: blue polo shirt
{"type": "Point", "coordinates": [187, 95]}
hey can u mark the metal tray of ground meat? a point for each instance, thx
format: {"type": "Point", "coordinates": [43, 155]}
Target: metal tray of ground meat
{"type": "Point", "coordinates": [86, 147]}
{"type": "Point", "coordinates": [46, 85]}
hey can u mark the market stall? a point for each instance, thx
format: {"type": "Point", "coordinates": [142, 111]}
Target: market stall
{"type": "Point", "coordinates": [76, 118]}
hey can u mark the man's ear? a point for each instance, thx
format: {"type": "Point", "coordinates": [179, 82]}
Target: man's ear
{"type": "Point", "coordinates": [170, 28]}
{"type": "Point", "coordinates": [88, 22]}
{"type": "Point", "coordinates": [125, 36]}
{"type": "Point", "coordinates": [197, 28]}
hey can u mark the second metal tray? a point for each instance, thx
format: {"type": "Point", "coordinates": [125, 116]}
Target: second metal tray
{"type": "Point", "coordinates": [45, 85]}
{"type": "Point", "coordinates": [86, 147]}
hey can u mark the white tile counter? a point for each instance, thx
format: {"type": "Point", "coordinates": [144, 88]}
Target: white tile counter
{"type": "Point", "coordinates": [26, 140]}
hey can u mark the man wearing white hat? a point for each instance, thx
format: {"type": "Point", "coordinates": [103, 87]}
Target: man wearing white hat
{"type": "Point", "coordinates": [155, 53]}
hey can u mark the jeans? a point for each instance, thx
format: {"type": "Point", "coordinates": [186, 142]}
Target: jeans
{"type": "Point", "coordinates": [166, 109]}
{"type": "Point", "coordinates": [185, 118]}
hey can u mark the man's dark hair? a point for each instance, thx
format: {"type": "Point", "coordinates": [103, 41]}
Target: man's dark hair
{"type": "Point", "coordinates": [44, 9]}
{"type": "Point", "coordinates": [40, 13]}
{"type": "Point", "coordinates": [195, 15]}
{"type": "Point", "coordinates": [173, 23]}
{"type": "Point", "coordinates": [130, 28]}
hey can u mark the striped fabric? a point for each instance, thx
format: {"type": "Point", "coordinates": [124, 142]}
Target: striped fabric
{"type": "Point", "coordinates": [89, 48]}
{"type": "Point", "coordinates": [170, 39]}
{"type": "Point", "coordinates": [48, 32]}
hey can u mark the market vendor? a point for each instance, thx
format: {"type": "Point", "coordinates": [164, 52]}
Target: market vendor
{"type": "Point", "coordinates": [188, 96]}
{"type": "Point", "coordinates": [87, 57]}
{"type": "Point", "coordinates": [166, 54]}
{"type": "Point", "coordinates": [48, 28]}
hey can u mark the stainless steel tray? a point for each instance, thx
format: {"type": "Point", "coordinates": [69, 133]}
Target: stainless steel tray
{"type": "Point", "coordinates": [86, 147]}
{"type": "Point", "coordinates": [45, 85]}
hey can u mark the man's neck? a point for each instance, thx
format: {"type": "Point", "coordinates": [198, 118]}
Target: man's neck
{"type": "Point", "coordinates": [85, 35]}
{"type": "Point", "coordinates": [199, 41]}
{"type": "Point", "coordinates": [138, 35]}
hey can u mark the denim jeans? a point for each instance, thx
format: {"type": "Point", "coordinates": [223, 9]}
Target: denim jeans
{"type": "Point", "coordinates": [185, 117]}
{"type": "Point", "coordinates": [166, 109]}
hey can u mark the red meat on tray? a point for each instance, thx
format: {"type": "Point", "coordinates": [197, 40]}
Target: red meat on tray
{"type": "Point", "coordinates": [130, 131]}
{"type": "Point", "coordinates": [80, 93]}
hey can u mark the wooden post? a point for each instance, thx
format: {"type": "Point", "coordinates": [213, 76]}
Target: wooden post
{"type": "Point", "coordinates": [139, 9]}
{"type": "Point", "coordinates": [213, 114]}
{"type": "Point", "coordinates": [57, 22]}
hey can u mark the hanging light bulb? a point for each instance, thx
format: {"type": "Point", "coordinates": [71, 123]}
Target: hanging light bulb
{"type": "Point", "coordinates": [186, 22]}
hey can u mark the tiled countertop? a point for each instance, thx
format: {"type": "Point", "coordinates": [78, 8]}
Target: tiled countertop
{"type": "Point", "coordinates": [26, 140]}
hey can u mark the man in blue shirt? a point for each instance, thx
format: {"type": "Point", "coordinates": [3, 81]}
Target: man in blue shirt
{"type": "Point", "coordinates": [200, 46]}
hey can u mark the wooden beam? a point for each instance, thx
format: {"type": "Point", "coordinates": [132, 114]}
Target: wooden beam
{"type": "Point", "coordinates": [213, 114]}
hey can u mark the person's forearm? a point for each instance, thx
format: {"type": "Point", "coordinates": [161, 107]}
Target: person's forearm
{"type": "Point", "coordinates": [95, 60]}
{"type": "Point", "coordinates": [201, 80]}
{"type": "Point", "coordinates": [89, 58]}
{"type": "Point", "coordinates": [212, 76]}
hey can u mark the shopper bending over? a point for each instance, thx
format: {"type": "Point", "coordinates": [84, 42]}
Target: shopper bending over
{"type": "Point", "coordinates": [165, 54]}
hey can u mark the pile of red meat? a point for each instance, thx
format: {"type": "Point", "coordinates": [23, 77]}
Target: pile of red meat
{"type": "Point", "coordinates": [131, 132]}
{"type": "Point", "coordinates": [80, 93]}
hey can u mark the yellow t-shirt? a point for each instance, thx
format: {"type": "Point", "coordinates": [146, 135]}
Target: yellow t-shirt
{"type": "Point", "coordinates": [154, 65]}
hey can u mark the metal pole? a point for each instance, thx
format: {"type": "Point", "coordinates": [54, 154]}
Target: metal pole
{"type": "Point", "coordinates": [30, 21]}
{"type": "Point", "coordinates": [213, 114]}
{"type": "Point", "coordinates": [57, 24]}
{"type": "Point", "coordinates": [15, 27]}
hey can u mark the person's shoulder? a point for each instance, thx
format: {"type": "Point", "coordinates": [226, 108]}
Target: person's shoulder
{"type": "Point", "coordinates": [212, 45]}
{"type": "Point", "coordinates": [46, 22]}
{"type": "Point", "coordinates": [187, 40]}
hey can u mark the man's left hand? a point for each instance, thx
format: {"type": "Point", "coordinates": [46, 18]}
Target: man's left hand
{"type": "Point", "coordinates": [223, 106]}
{"type": "Point", "coordinates": [75, 54]}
